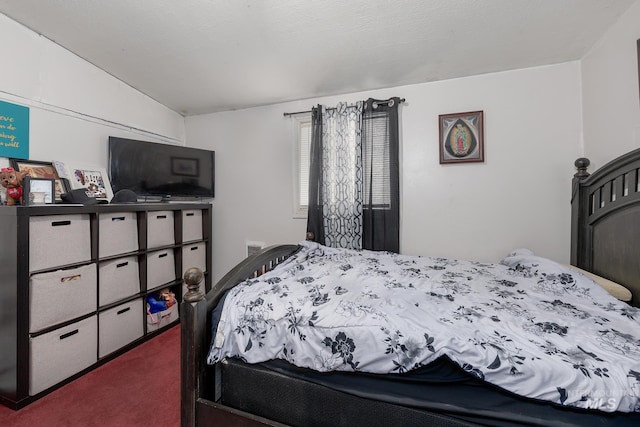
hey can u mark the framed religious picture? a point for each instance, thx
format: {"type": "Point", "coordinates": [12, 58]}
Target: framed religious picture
{"type": "Point", "coordinates": [461, 137]}
{"type": "Point", "coordinates": [92, 178]}
{"type": "Point", "coordinates": [37, 169]}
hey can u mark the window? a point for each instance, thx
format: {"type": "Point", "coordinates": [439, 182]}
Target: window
{"type": "Point", "coordinates": [302, 147]}
{"type": "Point", "coordinates": [376, 159]}
{"type": "Point", "coordinates": [370, 216]}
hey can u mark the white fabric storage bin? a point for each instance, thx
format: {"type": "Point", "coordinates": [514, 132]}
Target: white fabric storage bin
{"type": "Point", "coordinates": [57, 240]}
{"type": "Point", "coordinates": [119, 279]}
{"type": "Point", "coordinates": [161, 319]}
{"type": "Point", "coordinates": [118, 233]}
{"type": "Point", "coordinates": [58, 354]}
{"type": "Point", "coordinates": [161, 268]}
{"type": "Point", "coordinates": [119, 326]}
{"type": "Point", "coordinates": [194, 255]}
{"type": "Point", "coordinates": [191, 225]}
{"type": "Point", "coordinates": [61, 295]}
{"type": "Point", "coordinates": [160, 231]}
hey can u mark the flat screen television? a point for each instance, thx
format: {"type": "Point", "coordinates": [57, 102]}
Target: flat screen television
{"type": "Point", "coordinates": [161, 170]}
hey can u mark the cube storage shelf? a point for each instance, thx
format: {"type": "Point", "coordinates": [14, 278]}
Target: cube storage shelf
{"type": "Point", "coordinates": [74, 282]}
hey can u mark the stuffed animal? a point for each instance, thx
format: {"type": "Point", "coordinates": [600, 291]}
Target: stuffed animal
{"type": "Point", "coordinates": [12, 181]}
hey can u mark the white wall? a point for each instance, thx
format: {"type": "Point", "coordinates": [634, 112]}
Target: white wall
{"type": "Point", "coordinates": [518, 198]}
{"type": "Point", "coordinates": [253, 180]}
{"type": "Point", "coordinates": [74, 106]}
{"type": "Point", "coordinates": [610, 91]}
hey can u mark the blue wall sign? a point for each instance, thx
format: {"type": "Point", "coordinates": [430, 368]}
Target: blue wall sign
{"type": "Point", "coordinates": [14, 131]}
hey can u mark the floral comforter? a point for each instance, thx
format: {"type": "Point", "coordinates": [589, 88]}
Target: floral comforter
{"type": "Point", "coordinates": [527, 324]}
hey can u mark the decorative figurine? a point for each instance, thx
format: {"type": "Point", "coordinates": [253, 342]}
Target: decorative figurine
{"type": "Point", "coordinates": [12, 181]}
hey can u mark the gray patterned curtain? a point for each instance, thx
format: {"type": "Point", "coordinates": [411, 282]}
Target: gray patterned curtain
{"type": "Point", "coordinates": [354, 176]}
{"type": "Point", "coordinates": [336, 176]}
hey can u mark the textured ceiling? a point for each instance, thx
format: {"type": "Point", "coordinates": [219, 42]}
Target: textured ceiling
{"type": "Point", "coordinates": [200, 56]}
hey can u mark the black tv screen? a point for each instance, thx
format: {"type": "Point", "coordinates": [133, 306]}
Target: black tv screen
{"type": "Point", "coordinates": [153, 169]}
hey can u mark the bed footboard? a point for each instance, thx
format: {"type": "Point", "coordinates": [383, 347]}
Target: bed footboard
{"type": "Point", "coordinates": [195, 331]}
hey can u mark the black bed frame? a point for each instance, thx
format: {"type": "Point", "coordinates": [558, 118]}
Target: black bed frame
{"type": "Point", "coordinates": [605, 221]}
{"type": "Point", "coordinates": [605, 239]}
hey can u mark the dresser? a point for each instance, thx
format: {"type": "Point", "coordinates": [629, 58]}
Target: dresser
{"type": "Point", "coordinates": [74, 283]}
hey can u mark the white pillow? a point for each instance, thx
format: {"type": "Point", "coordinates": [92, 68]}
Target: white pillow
{"type": "Point", "coordinates": [615, 289]}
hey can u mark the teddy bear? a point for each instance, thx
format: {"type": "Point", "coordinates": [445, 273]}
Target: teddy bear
{"type": "Point", "coordinates": [11, 179]}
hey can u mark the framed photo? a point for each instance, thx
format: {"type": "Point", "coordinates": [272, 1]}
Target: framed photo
{"type": "Point", "coordinates": [38, 191]}
{"type": "Point", "coordinates": [38, 169]}
{"type": "Point", "coordinates": [61, 169]}
{"type": "Point", "coordinates": [185, 166]}
{"type": "Point", "coordinates": [94, 179]}
{"type": "Point", "coordinates": [462, 137]}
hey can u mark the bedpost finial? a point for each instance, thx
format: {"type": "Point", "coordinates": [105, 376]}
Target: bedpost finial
{"type": "Point", "coordinates": [192, 277]}
{"type": "Point", "coordinates": [310, 236]}
{"type": "Point", "coordinates": [582, 164]}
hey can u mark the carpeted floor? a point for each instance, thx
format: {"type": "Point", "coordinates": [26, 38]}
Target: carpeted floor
{"type": "Point", "coordinates": [140, 388]}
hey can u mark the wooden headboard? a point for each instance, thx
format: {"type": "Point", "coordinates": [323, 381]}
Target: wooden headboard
{"type": "Point", "coordinates": [605, 221]}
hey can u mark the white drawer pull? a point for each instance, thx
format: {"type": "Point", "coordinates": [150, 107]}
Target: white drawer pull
{"type": "Point", "coordinates": [163, 255]}
{"type": "Point", "coordinates": [70, 278]}
{"type": "Point", "coordinates": [190, 214]}
{"type": "Point", "coordinates": [117, 218]}
{"type": "Point", "coordinates": [124, 310]}
{"type": "Point", "coordinates": [60, 223]}
{"type": "Point", "coordinates": [195, 248]}
{"type": "Point", "coordinates": [122, 264]}
{"type": "Point", "coordinates": [68, 334]}
{"type": "Point", "coordinates": [161, 217]}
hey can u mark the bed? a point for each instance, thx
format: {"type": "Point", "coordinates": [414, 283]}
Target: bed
{"type": "Point", "coordinates": [436, 378]}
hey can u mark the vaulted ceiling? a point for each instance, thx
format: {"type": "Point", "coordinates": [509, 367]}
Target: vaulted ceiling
{"type": "Point", "coordinates": [200, 56]}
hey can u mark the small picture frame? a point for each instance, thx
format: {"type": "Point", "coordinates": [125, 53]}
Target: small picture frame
{"type": "Point", "coordinates": [94, 179]}
{"type": "Point", "coordinates": [37, 169]}
{"type": "Point", "coordinates": [461, 137]}
{"type": "Point", "coordinates": [38, 191]}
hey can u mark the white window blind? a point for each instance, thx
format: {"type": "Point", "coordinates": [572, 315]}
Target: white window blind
{"type": "Point", "coordinates": [304, 155]}
{"type": "Point", "coordinates": [301, 162]}
{"type": "Point", "coordinates": [376, 159]}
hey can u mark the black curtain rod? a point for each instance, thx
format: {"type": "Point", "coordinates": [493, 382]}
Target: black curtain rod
{"type": "Point", "coordinates": [351, 105]}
